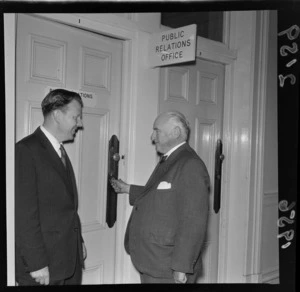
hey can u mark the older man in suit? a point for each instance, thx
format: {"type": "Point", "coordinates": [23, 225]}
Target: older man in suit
{"type": "Point", "coordinates": [49, 244]}
{"type": "Point", "coordinates": [168, 223]}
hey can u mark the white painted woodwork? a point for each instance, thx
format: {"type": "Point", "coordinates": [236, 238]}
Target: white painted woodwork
{"type": "Point", "coordinates": [9, 51]}
{"type": "Point", "coordinates": [269, 244]}
{"type": "Point", "coordinates": [51, 54]}
{"type": "Point", "coordinates": [147, 22]}
{"type": "Point", "coordinates": [198, 91]}
{"type": "Point", "coordinates": [252, 265]}
{"type": "Point", "coordinates": [237, 141]}
{"type": "Point", "coordinates": [270, 249]}
{"type": "Point", "coordinates": [140, 103]}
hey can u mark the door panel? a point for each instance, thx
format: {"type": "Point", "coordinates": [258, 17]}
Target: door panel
{"type": "Point", "coordinates": [197, 91]}
{"type": "Point", "coordinates": [54, 55]}
{"type": "Point", "coordinates": [92, 168]}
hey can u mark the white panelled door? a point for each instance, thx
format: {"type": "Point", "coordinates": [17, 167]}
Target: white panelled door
{"type": "Point", "coordinates": [55, 55]}
{"type": "Point", "coordinates": [197, 91]}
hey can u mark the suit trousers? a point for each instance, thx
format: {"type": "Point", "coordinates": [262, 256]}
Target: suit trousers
{"type": "Point", "coordinates": [146, 279]}
{"type": "Point", "coordinates": [75, 279]}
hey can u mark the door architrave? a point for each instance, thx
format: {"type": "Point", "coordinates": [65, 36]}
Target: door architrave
{"type": "Point", "coordinates": [9, 52]}
{"type": "Point", "coordinates": [243, 136]}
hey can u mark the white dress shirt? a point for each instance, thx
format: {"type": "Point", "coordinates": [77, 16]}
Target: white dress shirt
{"type": "Point", "coordinates": [173, 149]}
{"type": "Point", "coordinates": [54, 142]}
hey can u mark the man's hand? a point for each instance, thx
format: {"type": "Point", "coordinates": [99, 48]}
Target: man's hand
{"type": "Point", "coordinates": [120, 186]}
{"type": "Point", "coordinates": [41, 276]}
{"type": "Point", "coordinates": [179, 277]}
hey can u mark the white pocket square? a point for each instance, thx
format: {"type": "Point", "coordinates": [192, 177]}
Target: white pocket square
{"type": "Point", "coordinates": [164, 185]}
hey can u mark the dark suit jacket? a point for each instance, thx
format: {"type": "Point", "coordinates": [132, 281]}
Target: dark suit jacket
{"type": "Point", "coordinates": [48, 231]}
{"type": "Point", "coordinates": [167, 227]}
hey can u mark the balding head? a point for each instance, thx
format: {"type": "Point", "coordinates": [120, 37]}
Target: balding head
{"type": "Point", "coordinates": [169, 130]}
{"type": "Point", "coordinates": [177, 119]}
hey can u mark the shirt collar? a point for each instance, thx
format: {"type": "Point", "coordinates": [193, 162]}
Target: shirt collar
{"type": "Point", "coordinates": [173, 149]}
{"type": "Point", "coordinates": [54, 142]}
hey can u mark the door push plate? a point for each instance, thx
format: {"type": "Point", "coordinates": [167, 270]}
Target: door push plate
{"type": "Point", "coordinates": [113, 169]}
{"type": "Point", "coordinates": [219, 157]}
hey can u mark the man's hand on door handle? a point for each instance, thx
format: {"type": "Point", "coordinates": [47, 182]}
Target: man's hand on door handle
{"type": "Point", "coordinates": [120, 186]}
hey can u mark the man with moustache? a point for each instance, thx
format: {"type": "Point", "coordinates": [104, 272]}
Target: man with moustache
{"type": "Point", "coordinates": [49, 245]}
{"type": "Point", "coordinates": [168, 222]}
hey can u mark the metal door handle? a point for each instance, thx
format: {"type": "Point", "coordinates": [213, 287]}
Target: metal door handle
{"type": "Point", "coordinates": [113, 169]}
{"type": "Point", "coordinates": [219, 157]}
{"type": "Point", "coordinates": [116, 157]}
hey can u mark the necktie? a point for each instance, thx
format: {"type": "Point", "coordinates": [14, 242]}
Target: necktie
{"type": "Point", "coordinates": [162, 159]}
{"type": "Point", "coordinates": [63, 155]}
{"type": "Point", "coordinates": [70, 174]}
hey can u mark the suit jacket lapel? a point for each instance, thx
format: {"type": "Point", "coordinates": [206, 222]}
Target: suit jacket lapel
{"type": "Point", "coordinates": [53, 159]}
{"type": "Point", "coordinates": [163, 168]}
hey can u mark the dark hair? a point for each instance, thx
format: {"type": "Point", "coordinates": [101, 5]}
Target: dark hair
{"type": "Point", "coordinates": [59, 98]}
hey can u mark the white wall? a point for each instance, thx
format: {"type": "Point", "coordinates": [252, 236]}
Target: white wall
{"type": "Point", "coordinates": [270, 248]}
{"type": "Point", "coordinates": [146, 22]}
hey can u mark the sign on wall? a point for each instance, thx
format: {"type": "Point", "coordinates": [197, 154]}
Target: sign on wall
{"type": "Point", "coordinates": [173, 46]}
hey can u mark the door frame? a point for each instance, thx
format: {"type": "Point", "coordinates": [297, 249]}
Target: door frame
{"type": "Point", "coordinates": [243, 136]}
{"type": "Point", "coordinates": [9, 61]}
